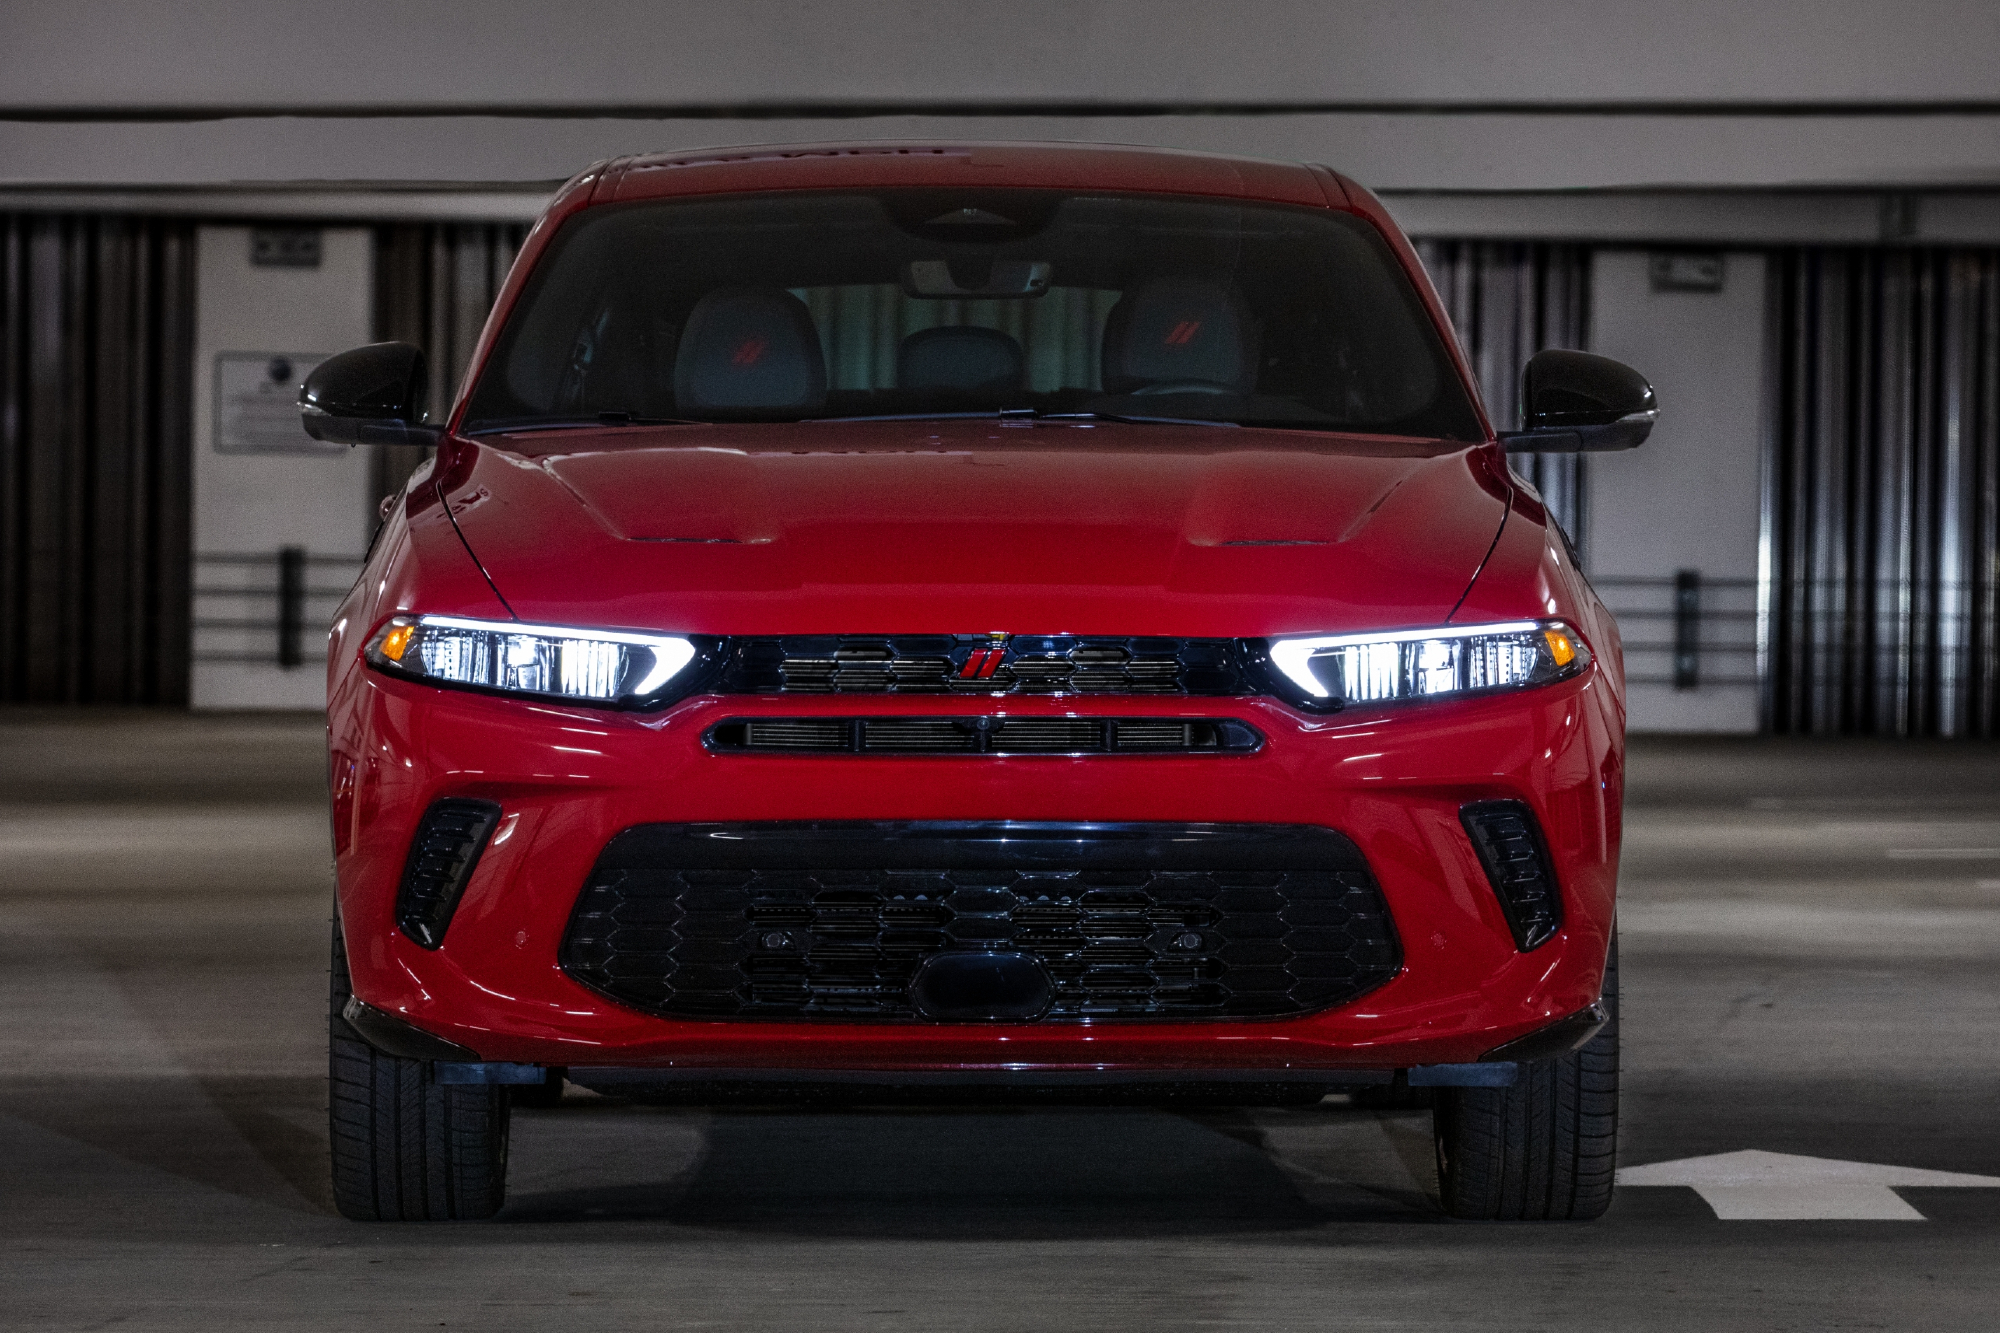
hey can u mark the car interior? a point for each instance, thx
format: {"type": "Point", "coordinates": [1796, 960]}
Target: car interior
{"type": "Point", "coordinates": [782, 309]}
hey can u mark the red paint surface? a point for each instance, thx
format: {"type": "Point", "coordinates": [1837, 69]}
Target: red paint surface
{"type": "Point", "coordinates": [971, 527]}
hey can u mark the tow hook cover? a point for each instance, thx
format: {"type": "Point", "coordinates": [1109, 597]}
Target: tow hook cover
{"type": "Point", "coordinates": [982, 988]}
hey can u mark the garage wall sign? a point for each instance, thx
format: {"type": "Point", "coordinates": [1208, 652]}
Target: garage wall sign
{"type": "Point", "coordinates": [257, 403]}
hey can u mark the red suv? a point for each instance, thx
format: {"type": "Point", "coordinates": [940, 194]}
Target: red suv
{"type": "Point", "coordinates": [974, 620]}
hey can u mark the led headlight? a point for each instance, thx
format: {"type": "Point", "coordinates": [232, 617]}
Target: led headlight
{"type": "Point", "coordinates": [1428, 663]}
{"type": "Point", "coordinates": [588, 666]}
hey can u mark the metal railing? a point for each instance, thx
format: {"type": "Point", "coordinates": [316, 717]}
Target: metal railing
{"type": "Point", "coordinates": [263, 607]}
{"type": "Point", "coordinates": [1685, 630]}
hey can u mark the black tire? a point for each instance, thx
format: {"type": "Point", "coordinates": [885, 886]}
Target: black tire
{"type": "Point", "coordinates": [405, 1148]}
{"type": "Point", "coordinates": [540, 1096]}
{"type": "Point", "coordinates": [1545, 1149]}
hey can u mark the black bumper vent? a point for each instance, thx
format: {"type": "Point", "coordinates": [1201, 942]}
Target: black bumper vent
{"type": "Point", "coordinates": [450, 837]}
{"type": "Point", "coordinates": [1510, 846]}
{"type": "Point", "coordinates": [983, 735]}
{"type": "Point", "coordinates": [984, 664]}
{"type": "Point", "coordinates": [833, 921]}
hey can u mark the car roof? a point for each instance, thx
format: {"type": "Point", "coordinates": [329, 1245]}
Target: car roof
{"type": "Point", "coordinates": [881, 164]}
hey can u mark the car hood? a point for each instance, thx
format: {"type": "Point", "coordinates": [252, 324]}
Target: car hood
{"type": "Point", "coordinates": [976, 527]}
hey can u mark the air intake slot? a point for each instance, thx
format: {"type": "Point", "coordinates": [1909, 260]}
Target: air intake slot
{"type": "Point", "coordinates": [977, 735]}
{"type": "Point", "coordinates": [1516, 858]}
{"type": "Point", "coordinates": [449, 839]}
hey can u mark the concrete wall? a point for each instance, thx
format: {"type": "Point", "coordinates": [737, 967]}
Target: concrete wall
{"type": "Point", "coordinates": [612, 53]}
{"type": "Point", "coordinates": [1411, 95]}
{"type": "Point", "coordinates": [1688, 497]}
{"type": "Point", "coordinates": [247, 506]}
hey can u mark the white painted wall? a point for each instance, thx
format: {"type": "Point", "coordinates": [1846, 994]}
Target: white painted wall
{"type": "Point", "coordinates": [254, 504]}
{"type": "Point", "coordinates": [1688, 497]}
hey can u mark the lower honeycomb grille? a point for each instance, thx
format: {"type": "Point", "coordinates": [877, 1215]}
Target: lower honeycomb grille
{"type": "Point", "coordinates": [832, 921]}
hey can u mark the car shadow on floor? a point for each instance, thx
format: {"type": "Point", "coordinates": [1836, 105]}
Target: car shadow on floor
{"type": "Point", "coordinates": [1030, 1173]}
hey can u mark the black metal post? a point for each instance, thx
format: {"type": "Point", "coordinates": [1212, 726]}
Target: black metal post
{"type": "Point", "coordinates": [291, 606]}
{"type": "Point", "coordinates": [1687, 629]}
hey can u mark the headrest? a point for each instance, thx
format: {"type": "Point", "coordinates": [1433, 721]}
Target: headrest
{"type": "Point", "coordinates": [1169, 329]}
{"type": "Point", "coordinates": [748, 349]}
{"type": "Point", "coordinates": [960, 357]}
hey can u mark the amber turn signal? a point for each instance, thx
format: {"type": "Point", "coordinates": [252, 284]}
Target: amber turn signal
{"type": "Point", "coordinates": [396, 641]}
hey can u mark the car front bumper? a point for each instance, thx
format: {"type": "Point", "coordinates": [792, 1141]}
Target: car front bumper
{"type": "Point", "coordinates": [1391, 779]}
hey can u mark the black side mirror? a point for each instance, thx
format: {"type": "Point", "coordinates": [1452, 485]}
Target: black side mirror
{"type": "Point", "coordinates": [370, 395]}
{"type": "Point", "coordinates": [1574, 402]}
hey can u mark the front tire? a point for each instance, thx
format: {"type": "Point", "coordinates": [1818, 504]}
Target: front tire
{"type": "Point", "coordinates": [1543, 1150]}
{"type": "Point", "coordinates": [405, 1148]}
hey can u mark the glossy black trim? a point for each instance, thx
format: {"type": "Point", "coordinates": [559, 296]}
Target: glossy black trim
{"type": "Point", "coordinates": [982, 730]}
{"type": "Point", "coordinates": [1028, 665]}
{"type": "Point", "coordinates": [1558, 1038]}
{"type": "Point", "coordinates": [1577, 402]}
{"type": "Point", "coordinates": [1533, 917]}
{"type": "Point", "coordinates": [427, 896]}
{"type": "Point", "coordinates": [392, 1036]}
{"type": "Point", "coordinates": [829, 921]}
{"type": "Point", "coordinates": [979, 845]}
{"type": "Point", "coordinates": [369, 395]}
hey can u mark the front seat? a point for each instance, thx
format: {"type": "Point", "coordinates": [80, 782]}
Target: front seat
{"type": "Point", "coordinates": [960, 358]}
{"type": "Point", "coordinates": [1180, 335]}
{"type": "Point", "coordinates": [749, 350]}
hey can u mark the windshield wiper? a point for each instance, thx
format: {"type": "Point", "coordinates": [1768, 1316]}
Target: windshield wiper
{"type": "Point", "coordinates": [1136, 420]}
{"type": "Point", "coordinates": [909, 416]}
{"type": "Point", "coordinates": [1030, 414]}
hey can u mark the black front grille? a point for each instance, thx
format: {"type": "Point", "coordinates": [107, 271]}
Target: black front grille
{"type": "Point", "coordinates": [983, 735]}
{"type": "Point", "coordinates": [984, 664]}
{"type": "Point", "coordinates": [832, 920]}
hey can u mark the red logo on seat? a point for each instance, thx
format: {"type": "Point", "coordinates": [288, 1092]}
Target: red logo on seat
{"type": "Point", "coordinates": [1181, 334]}
{"type": "Point", "coordinates": [749, 351]}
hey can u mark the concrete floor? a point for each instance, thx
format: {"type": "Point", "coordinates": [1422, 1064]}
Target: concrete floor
{"type": "Point", "coordinates": [1810, 937]}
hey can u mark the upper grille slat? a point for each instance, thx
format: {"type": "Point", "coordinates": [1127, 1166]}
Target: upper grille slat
{"type": "Point", "coordinates": [984, 664]}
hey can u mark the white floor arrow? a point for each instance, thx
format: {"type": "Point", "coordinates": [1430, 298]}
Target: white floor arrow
{"type": "Point", "coordinates": [1753, 1185]}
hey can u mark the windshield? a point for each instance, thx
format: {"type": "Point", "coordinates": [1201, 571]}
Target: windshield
{"type": "Point", "coordinates": [793, 307]}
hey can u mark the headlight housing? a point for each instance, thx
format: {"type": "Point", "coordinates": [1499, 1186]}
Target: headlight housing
{"type": "Point", "coordinates": [596, 667]}
{"type": "Point", "coordinates": [1336, 670]}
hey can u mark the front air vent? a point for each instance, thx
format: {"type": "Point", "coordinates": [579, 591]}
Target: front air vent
{"type": "Point", "coordinates": [984, 735]}
{"type": "Point", "coordinates": [1516, 858]}
{"type": "Point", "coordinates": [450, 837]}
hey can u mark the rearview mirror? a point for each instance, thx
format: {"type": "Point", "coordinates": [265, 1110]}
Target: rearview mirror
{"type": "Point", "coordinates": [370, 395]}
{"type": "Point", "coordinates": [1574, 402]}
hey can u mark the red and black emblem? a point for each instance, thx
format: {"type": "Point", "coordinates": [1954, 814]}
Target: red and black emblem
{"type": "Point", "coordinates": [981, 663]}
